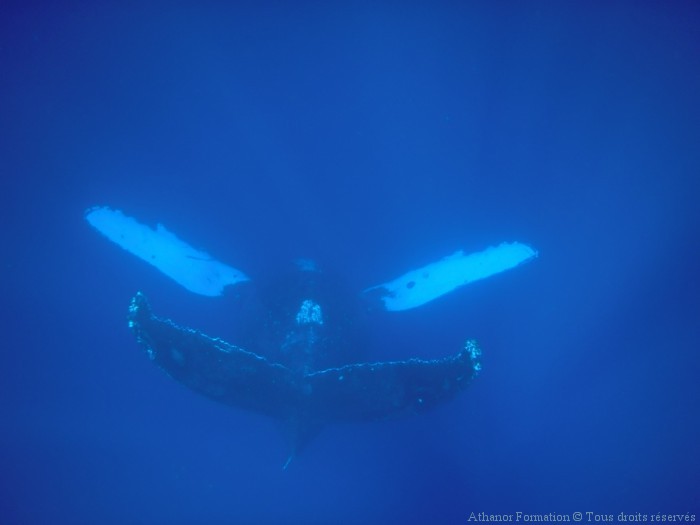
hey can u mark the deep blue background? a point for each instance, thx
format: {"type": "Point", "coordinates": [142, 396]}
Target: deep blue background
{"type": "Point", "coordinates": [375, 138]}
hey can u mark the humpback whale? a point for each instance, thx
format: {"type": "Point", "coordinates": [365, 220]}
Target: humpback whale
{"type": "Point", "coordinates": [305, 374]}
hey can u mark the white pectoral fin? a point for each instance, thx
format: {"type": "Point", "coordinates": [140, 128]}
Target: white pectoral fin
{"type": "Point", "coordinates": [192, 268]}
{"type": "Point", "coordinates": [421, 286]}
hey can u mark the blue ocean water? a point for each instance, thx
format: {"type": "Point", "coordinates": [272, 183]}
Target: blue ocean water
{"type": "Point", "coordinates": [373, 138]}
